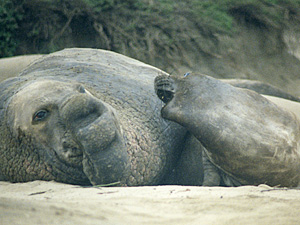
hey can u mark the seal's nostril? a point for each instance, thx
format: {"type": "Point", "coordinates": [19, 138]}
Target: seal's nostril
{"type": "Point", "coordinates": [164, 95]}
{"type": "Point", "coordinates": [164, 88]}
{"type": "Point", "coordinates": [80, 110]}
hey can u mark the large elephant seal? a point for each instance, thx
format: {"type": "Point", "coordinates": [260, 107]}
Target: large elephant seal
{"type": "Point", "coordinates": [245, 135]}
{"type": "Point", "coordinates": [86, 116]}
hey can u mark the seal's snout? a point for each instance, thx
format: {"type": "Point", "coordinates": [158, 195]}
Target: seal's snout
{"type": "Point", "coordinates": [81, 110]}
{"type": "Point", "coordinates": [164, 88]}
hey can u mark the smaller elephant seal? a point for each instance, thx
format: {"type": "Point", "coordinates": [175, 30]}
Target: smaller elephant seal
{"type": "Point", "coordinates": [245, 135]}
{"type": "Point", "coordinates": [12, 66]}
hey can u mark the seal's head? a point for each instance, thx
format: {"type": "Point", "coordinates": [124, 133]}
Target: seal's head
{"type": "Point", "coordinates": [246, 135]}
{"type": "Point", "coordinates": [75, 135]}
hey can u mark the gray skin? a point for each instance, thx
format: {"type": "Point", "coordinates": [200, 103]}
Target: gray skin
{"type": "Point", "coordinates": [246, 136]}
{"type": "Point", "coordinates": [85, 116]}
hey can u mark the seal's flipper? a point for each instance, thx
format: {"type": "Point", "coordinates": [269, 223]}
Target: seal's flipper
{"type": "Point", "coordinates": [211, 173]}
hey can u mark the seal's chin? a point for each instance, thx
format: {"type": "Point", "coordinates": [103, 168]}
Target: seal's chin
{"type": "Point", "coordinates": [164, 87]}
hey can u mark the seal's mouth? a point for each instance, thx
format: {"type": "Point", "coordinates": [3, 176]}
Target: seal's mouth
{"type": "Point", "coordinates": [164, 87]}
{"type": "Point", "coordinates": [72, 153]}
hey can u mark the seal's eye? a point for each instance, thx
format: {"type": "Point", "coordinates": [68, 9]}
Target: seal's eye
{"type": "Point", "coordinates": [40, 115]}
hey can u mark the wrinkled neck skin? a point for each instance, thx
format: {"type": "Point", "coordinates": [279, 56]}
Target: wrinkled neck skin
{"type": "Point", "coordinates": [23, 159]}
{"type": "Point", "coordinates": [32, 161]}
{"type": "Point", "coordinates": [247, 136]}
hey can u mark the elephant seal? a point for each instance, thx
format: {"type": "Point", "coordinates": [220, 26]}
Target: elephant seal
{"type": "Point", "coordinates": [12, 66]}
{"type": "Point", "coordinates": [286, 104]}
{"type": "Point", "coordinates": [86, 116]}
{"type": "Point", "coordinates": [247, 136]}
{"type": "Point", "coordinates": [261, 88]}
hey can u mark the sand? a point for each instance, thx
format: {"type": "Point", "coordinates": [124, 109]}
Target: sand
{"type": "Point", "coordinates": [41, 202]}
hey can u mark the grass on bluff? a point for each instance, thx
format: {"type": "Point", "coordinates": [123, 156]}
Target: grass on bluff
{"type": "Point", "coordinates": [154, 31]}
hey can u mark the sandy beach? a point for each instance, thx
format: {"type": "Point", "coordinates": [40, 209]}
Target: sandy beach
{"type": "Point", "coordinates": [41, 202]}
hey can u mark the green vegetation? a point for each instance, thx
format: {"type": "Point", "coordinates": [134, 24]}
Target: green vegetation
{"type": "Point", "coordinates": [139, 28]}
{"type": "Point", "coordinates": [9, 18]}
